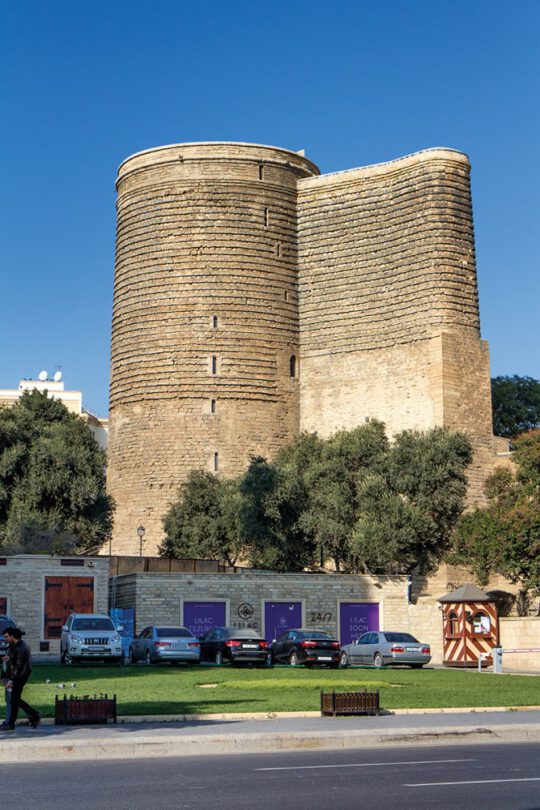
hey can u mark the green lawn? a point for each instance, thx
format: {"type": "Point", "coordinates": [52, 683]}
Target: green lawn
{"type": "Point", "coordinates": [169, 690]}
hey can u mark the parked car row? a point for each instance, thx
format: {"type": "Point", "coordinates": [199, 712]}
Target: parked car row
{"type": "Point", "coordinates": [91, 637]}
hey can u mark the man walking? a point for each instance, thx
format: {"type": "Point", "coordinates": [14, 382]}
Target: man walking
{"type": "Point", "coordinates": [20, 667]}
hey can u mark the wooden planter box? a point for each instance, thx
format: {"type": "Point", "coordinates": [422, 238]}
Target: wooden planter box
{"type": "Point", "coordinates": [78, 711]}
{"type": "Point", "coordinates": [334, 703]}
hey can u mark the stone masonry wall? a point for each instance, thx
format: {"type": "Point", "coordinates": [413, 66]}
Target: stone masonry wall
{"type": "Point", "coordinates": [254, 298]}
{"type": "Point", "coordinates": [22, 582]}
{"type": "Point", "coordinates": [205, 321]}
{"type": "Point", "coordinates": [389, 321]}
{"type": "Point", "coordinates": [157, 598]}
{"type": "Point", "coordinates": [521, 633]}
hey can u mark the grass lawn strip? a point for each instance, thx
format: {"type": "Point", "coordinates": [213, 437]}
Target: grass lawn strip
{"type": "Point", "coordinates": [143, 690]}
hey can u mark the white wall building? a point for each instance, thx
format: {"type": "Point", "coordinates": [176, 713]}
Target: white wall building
{"type": "Point", "coordinates": [55, 390]}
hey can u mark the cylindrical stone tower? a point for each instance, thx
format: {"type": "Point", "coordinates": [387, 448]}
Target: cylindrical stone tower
{"type": "Point", "coordinates": [204, 358]}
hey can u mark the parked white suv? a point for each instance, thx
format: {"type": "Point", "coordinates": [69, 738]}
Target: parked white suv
{"type": "Point", "coordinates": [88, 636]}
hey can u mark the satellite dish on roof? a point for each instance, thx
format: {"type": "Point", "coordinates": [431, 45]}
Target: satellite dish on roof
{"type": "Point", "coordinates": [57, 375]}
{"type": "Point", "coordinates": [42, 376]}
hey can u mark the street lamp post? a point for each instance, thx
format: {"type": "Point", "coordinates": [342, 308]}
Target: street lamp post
{"type": "Point", "coordinates": [140, 532]}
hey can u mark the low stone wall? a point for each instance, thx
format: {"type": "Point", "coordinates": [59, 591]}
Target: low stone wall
{"type": "Point", "coordinates": [425, 623]}
{"type": "Point", "coordinates": [520, 633]}
{"type": "Point", "coordinates": [31, 582]}
{"type": "Point", "coordinates": [159, 598]}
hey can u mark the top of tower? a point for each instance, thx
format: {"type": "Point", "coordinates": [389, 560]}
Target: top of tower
{"type": "Point", "coordinates": [200, 150]}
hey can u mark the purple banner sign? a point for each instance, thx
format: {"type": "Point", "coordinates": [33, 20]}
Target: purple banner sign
{"type": "Point", "coordinates": [200, 617]}
{"type": "Point", "coordinates": [281, 616]}
{"type": "Point", "coordinates": [356, 618]}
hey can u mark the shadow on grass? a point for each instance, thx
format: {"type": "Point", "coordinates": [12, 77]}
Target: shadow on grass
{"type": "Point", "coordinates": [158, 707]}
{"type": "Point", "coordinates": [59, 673]}
{"type": "Point", "coordinates": [62, 673]}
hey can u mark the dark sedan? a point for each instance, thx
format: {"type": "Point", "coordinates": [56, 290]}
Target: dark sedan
{"type": "Point", "coordinates": [308, 647]}
{"type": "Point", "coordinates": [237, 645]}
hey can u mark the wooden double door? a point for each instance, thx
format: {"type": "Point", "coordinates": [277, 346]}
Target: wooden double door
{"type": "Point", "coordinates": [65, 595]}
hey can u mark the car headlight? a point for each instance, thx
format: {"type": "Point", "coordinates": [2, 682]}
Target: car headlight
{"type": "Point", "coordinates": [78, 640]}
{"type": "Point", "coordinates": [114, 639]}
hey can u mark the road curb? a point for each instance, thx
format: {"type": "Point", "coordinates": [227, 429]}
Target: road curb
{"type": "Point", "coordinates": [172, 743]}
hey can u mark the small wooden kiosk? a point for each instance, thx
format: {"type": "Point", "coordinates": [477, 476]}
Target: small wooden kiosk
{"type": "Point", "coordinates": [470, 627]}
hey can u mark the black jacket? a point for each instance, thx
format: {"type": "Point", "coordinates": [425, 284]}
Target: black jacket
{"type": "Point", "coordinates": [20, 661]}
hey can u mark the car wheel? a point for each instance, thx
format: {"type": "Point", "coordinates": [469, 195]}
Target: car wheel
{"type": "Point", "coordinates": [66, 658]}
{"type": "Point", "coordinates": [378, 661]}
{"type": "Point", "coordinates": [219, 658]}
{"type": "Point", "coordinates": [293, 659]}
{"type": "Point", "coordinates": [131, 658]}
{"type": "Point", "coordinates": [344, 660]}
{"type": "Point", "coordinates": [148, 657]}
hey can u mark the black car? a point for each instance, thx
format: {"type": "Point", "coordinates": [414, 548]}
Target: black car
{"type": "Point", "coordinates": [5, 623]}
{"type": "Point", "coordinates": [237, 645]}
{"type": "Point", "coordinates": [309, 647]}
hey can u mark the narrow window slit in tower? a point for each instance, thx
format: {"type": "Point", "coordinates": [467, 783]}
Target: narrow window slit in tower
{"type": "Point", "coordinates": [278, 250]}
{"type": "Point", "coordinates": [261, 171]}
{"type": "Point", "coordinates": [216, 462]}
{"type": "Point", "coordinates": [285, 295]}
{"type": "Point", "coordinates": [265, 217]}
{"type": "Point", "coordinates": [212, 406]}
{"type": "Point", "coordinates": [214, 321]}
{"type": "Point", "coordinates": [292, 365]}
{"type": "Point", "coordinates": [214, 364]}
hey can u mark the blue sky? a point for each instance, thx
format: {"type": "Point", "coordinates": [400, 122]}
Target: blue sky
{"type": "Point", "coordinates": [85, 84]}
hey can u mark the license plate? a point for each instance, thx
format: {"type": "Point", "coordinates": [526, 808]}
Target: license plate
{"type": "Point", "coordinates": [96, 649]}
{"type": "Point", "coordinates": [250, 646]}
{"type": "Point", "coordinates": [324, 657]}
{"type": "Point", "coordinates": [412, 649]}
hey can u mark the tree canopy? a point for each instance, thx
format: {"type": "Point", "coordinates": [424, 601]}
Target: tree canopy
{"type": "Point", "coordinates": [355, 499]}
{"type": "Point", "coordinates": [516, 405]}
{"type": "Point", "coordinates": [504, 537]}
{"type": "Point", "coordinates": [52, 480]}
{"type": "Point", "coordinates": [206, 518]}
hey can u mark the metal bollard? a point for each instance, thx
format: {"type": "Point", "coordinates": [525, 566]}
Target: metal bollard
{"type": "Point", "coordinates": [497, 660]}
{"type": "Point", "coordinates": [481, 657]}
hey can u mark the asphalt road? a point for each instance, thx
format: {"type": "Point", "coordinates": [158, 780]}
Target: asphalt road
{"type": "Point", "coordinates": [477, 776]}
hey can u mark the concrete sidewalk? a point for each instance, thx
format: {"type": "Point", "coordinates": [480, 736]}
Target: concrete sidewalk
{"type": "Point", "coordinates": [205, 737]}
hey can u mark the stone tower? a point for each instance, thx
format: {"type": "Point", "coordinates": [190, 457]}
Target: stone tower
{"type": "Point", "coordinates": [205, 339]}
{"type": "Point", "coordinates": [254, 298]}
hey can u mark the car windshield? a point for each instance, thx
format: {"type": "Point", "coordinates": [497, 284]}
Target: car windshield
{"type": "Point", "coordinates": [173, 632]}
{"type": "Point", "coordinates": [241, 632]}
{"type": "Point", "coordinates": [393, 637]}
{"type": "Point", "coordinates": [101, 623]}
{"type": "Point", "coordinates": [317, 635]}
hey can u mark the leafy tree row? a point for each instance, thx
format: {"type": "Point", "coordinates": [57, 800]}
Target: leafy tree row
{"type": "Point", "coordinates": [52, 480]}
{"type": "Point", "coordinates": [356, 499]}
{"type": "Point", "coordinates": [504, 538]}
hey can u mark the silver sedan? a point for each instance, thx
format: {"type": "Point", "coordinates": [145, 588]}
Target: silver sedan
{"type": "Point", "coordinates": [158, 643]}
{"type": "Point", "coordinates": [384, 647]}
